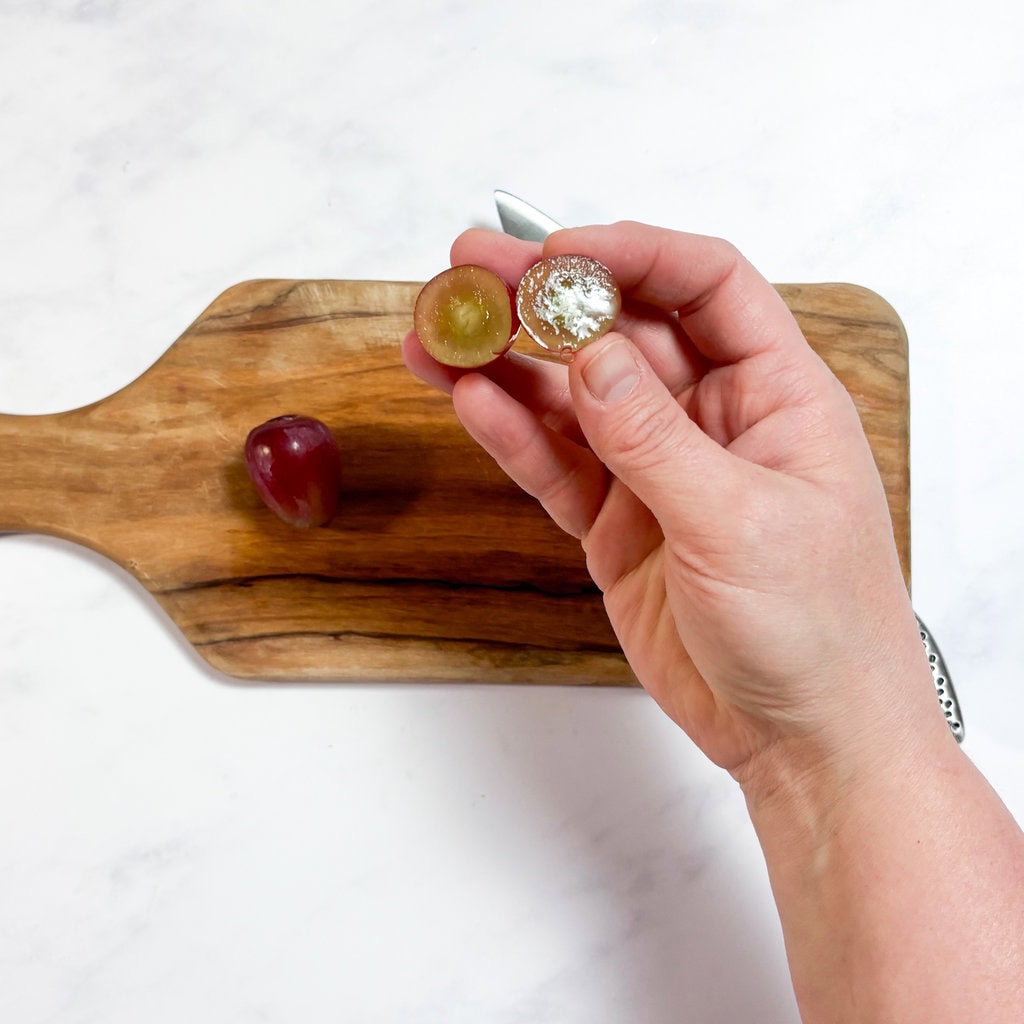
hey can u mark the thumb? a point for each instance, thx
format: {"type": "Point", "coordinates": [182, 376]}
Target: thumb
{"type": "Point", "coordinates": [638, 429]}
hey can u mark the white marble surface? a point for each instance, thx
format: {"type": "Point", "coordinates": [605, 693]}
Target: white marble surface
{"type": "Point", "coordinates": [178, 847]}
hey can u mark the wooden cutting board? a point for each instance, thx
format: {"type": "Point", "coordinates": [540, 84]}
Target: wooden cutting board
{"type": "Point", "coordinates": [437, 567]}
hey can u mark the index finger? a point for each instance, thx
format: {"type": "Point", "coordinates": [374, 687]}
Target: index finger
{"type": "Point", "coordinates": [728, 310]}
{"type": "Point", "coordinates": [506, 256]}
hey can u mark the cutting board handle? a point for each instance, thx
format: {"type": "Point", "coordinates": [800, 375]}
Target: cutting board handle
{"type": "Point", "coordinates": [44, 465]}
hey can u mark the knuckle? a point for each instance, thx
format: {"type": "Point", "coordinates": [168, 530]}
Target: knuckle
{"type": "Point", "coordinates": [556, 483]}
{"type": "Point", "coordinates": [646, 437]}
{"type": "Point", "coordinates": [726, 251]}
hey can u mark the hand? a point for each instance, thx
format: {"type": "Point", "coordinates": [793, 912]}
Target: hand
{"type": "Point", "coordinates": [726, 497]}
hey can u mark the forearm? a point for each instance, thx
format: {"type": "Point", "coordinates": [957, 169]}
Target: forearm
{"type": "Point", "coordinates": [899, 880]}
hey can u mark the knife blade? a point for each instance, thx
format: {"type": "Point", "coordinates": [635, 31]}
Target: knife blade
{"type": "Point", "coordinates": [521, 220]}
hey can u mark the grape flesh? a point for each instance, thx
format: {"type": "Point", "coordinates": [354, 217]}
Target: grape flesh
{"type": "Point", "coordinates": [566, 302]}
{"type": "Point", "coordinates": [465, 317]}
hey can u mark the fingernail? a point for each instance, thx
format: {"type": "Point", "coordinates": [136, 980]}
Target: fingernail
{"type": "Point", "coordinates": [612, 374]}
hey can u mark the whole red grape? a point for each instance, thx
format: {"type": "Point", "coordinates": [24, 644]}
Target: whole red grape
{"type": "Point", "coordinates": [295, 464]}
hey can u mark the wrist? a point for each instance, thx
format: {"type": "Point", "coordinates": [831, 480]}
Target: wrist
{"type": "Point", "coordinates": [808, 781]}
{"type": "Point", "coordinates": [853, 838]}
{"type": "Point", "coordinates": [877, 715]}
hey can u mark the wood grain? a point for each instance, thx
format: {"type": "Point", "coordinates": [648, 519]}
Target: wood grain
{"type": "Point", "coordinates": [436, 568]}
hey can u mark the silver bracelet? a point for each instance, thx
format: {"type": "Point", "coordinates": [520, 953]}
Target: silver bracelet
{"type": "Point", "coordinates": [943, 684]}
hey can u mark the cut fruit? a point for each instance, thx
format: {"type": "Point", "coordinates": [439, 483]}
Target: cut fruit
{"type": "Point", "coordinates": [566, 302]}
{"type": "Point", "coordinates": [465, 317]}
{"type": "Point", "coordinates": [295, 465]}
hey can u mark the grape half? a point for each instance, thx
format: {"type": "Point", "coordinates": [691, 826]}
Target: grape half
{"type": "Point", "coordinates": [566, 302]}
{"type": "Point", "coordinates": [465, 317]}
{"type": "Point", "coordinates": [295, 464]}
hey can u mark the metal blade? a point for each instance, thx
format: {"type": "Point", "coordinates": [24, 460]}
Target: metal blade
{"type": "Point", "coordinates": [521, 220]}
